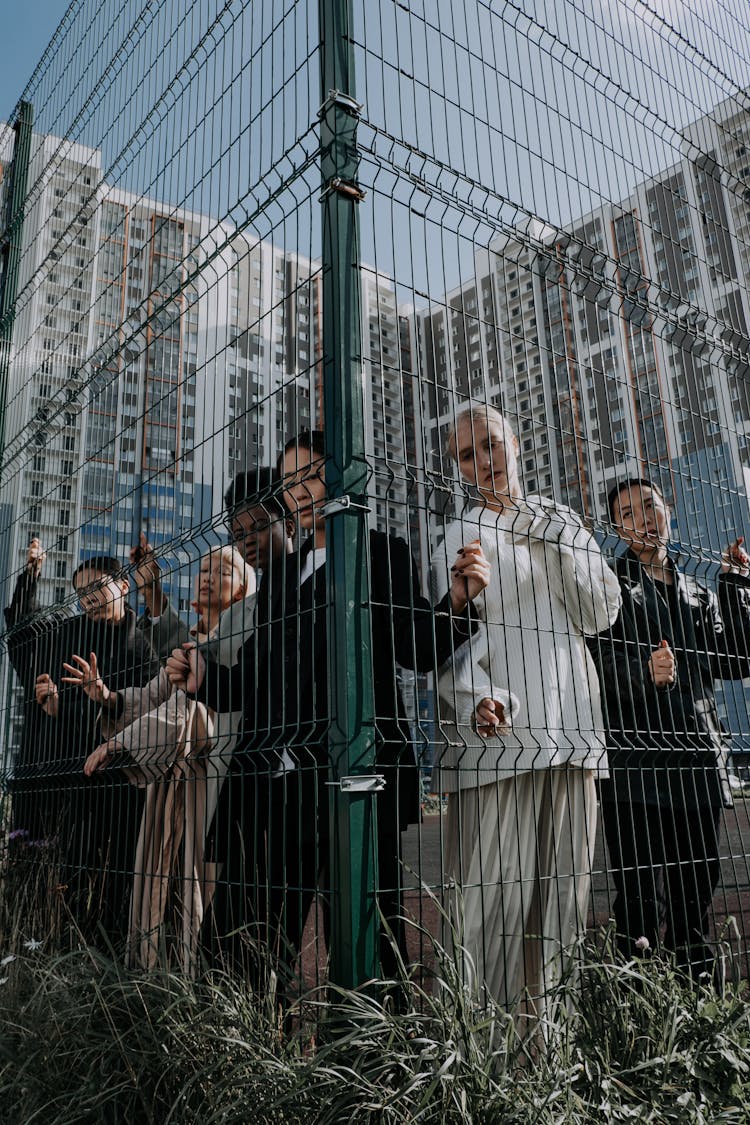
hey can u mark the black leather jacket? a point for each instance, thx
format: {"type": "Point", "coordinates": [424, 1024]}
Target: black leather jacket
{"type": "Point", "coordinates": [667, 744]}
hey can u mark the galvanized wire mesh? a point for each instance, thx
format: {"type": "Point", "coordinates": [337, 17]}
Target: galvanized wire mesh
{"type": "Point", "coordinates": [503, 266]}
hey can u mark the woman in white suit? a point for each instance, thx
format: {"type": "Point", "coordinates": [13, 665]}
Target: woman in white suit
{"type": "Point", "coordinates": [525, 699]}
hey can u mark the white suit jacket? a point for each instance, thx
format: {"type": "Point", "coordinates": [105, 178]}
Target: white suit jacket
{"type": "Point", "coordinates": [550, 587]}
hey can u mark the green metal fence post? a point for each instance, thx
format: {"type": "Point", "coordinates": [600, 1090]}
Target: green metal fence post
{"type": "Point", "coordinates": [354, 923]}
{"type": "Point", "coordinates": [11, 240]}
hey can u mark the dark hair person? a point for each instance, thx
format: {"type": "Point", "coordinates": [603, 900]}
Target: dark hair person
{"type": "Point", "coordinates": [37, 640]}
{"type": "Point", "coordinates": [289, 686]}
{"type": "Point", "coordinates": [257, 518]}
{"type": "Point", "coordinates": [97, 820]}
{"type": "Point", "coordinates": [661, 806]}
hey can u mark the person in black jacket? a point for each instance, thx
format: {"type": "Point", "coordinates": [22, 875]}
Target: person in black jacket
{"type": "Point", "coordinates": [284, 674]}
{"type": "Point", "coordinates": [36, 640]}
{"type": "Point", "coordinates": [251, 800]}
{"type": "Point", "coordinates": [96, 819]}
{"type": "Point", "coordinates": [661, 805]}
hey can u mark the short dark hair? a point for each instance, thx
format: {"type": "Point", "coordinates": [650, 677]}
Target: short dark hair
{"type": "Point", "coordinates": [103, 564]}
{"type": "Point", "coordinates": [630, 483]}
{"type": "Point", "coordinates": [257, 488]}
{"type": "Point", "coordinates": [314, 440]}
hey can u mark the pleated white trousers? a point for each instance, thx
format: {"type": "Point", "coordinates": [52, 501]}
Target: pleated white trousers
{"type": "Point", "coordinates": [520, 853]}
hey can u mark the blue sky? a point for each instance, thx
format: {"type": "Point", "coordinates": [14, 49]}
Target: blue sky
{"type": "Point", "coordinates": [554, 106]}
{"type": "Point", "coordinates": [27, 29]}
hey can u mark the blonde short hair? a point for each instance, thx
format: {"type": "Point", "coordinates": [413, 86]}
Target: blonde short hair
{"type": "Point", "coordinates": [476, 413]}
{"type": "Point", "coordinates": [244, 572]}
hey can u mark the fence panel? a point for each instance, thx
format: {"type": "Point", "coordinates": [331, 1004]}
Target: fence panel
{"type": "Point", "coordinates": [439, 315]}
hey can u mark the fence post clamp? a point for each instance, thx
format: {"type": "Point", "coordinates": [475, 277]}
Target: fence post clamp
{"type": "Point", "coordinates": [342, 504]}
{"type": "Point", "coordinates": [343, 187]}
{"type": "Point", "coordinates": [360, 783]}
{"type": "Point", "coordinates": [343, 101]}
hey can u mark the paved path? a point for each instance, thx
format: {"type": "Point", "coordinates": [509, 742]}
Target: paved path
{"type": "Point", "coordinates": [424, 851]}
{"type": "Point", "coordinates": [423, 860]}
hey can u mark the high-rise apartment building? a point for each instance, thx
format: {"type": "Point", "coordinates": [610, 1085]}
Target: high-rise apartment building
{"type": "Point", "coordinates": [109, 369]}
{"type": "Point", "coordinates": [619, 345]}
{"type": "Point", "coordinates": [142, 381]}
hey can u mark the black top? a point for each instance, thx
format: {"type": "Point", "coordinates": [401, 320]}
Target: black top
{"type": "Point", "coordinates": [281, 676]}
{"type": "Point", "coordinates": [666, 744]}
{"type": "Point", "coordinates": [39, 641]}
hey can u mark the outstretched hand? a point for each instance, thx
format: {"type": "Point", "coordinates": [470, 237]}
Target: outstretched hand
{"type": "Point", "coordinates": [35, 557]}
{"type": "Point", "coordinates": [735, 559]}
{"type": "Point", "coordinates": [85, 674]}
{"type": "Point", "coordinates": [147, 575]}
{"type": "Point", "coordinates": [143, 559]}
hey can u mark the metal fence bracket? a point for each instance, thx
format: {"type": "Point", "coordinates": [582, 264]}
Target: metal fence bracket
{"type": "Point", "coordinates": [343, 187]}
{"type": "Point", "coordinates": [360, 783]}
{"type": "Point", "coordinates": [342, 101]}
{"type": "Point", "coordinates": [343, 504]}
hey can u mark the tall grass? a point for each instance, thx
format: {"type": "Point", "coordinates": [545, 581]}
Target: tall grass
{"type": "Point", "coordinates": [84, 1041]}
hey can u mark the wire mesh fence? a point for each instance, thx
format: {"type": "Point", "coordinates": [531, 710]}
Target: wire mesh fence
{"type": "Point", "coordinates": [394, 356]}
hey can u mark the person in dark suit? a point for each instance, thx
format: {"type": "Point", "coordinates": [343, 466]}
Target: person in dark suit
{"type": "Point", "coordinates": [262, 529]}
{"type": "Point", "coordinates": [37, 639]}
{"type": "Point", "coordinates": [96, 818]}
{"type": "Point", "coordinates": [661, 806]}
{"type": "Point", "coordinates": [284, 674]}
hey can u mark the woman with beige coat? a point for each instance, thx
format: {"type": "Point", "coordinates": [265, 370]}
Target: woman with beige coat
{"type": "Point", "coordinates": [180, 751]}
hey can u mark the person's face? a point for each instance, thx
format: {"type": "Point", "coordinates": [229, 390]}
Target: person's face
{"type": "Point", "coordinates": [642, 519]}
{"type": "Point", "coordinates": [102, 597]}
{"type": "Point", "coordinates": [218, 583]}
{"type": "Point", "coordinates": [305, 486]}
{"type": "Point", "coordinates": [486, 452]}
{"type": "Point", "coordinates": [258, 535]}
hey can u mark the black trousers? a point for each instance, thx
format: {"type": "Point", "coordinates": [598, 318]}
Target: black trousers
{"type": "Point", "coordinates": [275, 861]}
{"type": "Point", "coordinates": [98, 820]}
{"type": "Point", "coordinates": [665, 864]}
